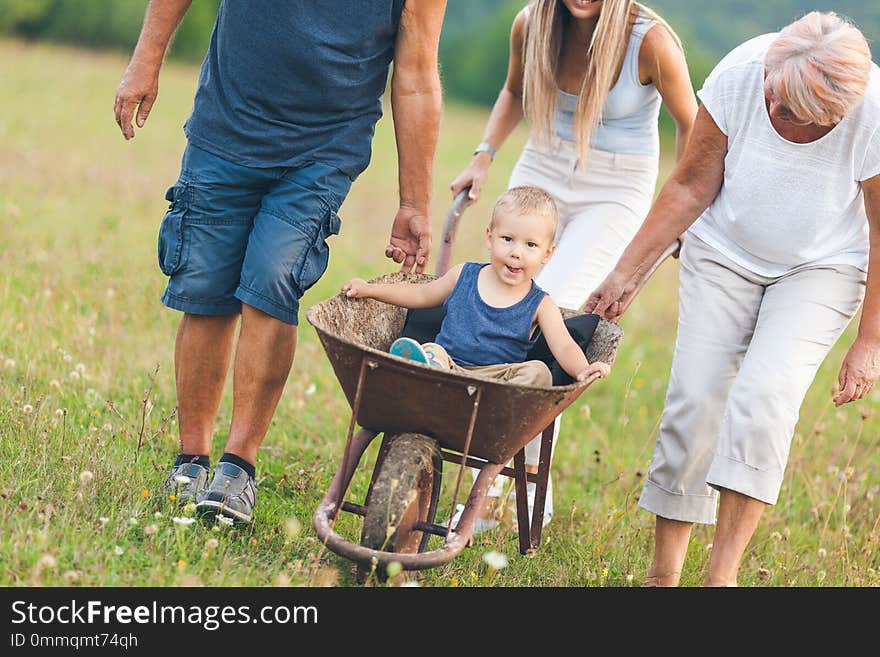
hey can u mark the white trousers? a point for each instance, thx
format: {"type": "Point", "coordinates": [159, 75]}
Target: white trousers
{"type": "Point", "coordinates": [747, 350]}
{"type": "Point", "coordinates": [600, 209]}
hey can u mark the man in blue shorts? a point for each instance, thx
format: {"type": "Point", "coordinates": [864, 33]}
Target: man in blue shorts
{"type": "Point", "coordinates": [282, 123]}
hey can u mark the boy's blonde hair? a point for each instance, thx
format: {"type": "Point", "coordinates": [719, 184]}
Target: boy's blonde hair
{"type": "Point", "coordinates": [527, 199]}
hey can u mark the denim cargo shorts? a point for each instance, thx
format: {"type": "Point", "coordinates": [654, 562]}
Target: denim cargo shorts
{"type": "Point", "coordinates": [235, 234]}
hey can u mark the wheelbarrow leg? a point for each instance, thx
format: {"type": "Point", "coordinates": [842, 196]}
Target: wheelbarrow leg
{"type": "Point", "coordinates": [332, 501]}
{"type": "Point", "coordinates": [522, 506]}
{"type": "Point", "coordinates": [530, 527]}
{"type": "Point", "coordinates": [541, 484]}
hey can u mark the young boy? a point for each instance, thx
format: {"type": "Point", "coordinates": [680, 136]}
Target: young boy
{"type": "Point", "coordinates": [492, 309]}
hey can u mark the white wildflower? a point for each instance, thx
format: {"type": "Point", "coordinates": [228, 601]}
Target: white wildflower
{"type": "Point", "coordinates": [496, 560]}
{"type": "Point", "coordinates": [182, 520]}
{"type": "Point", "coordinates": [47, 561]}
{"type": "Point", "coordinates": [292, 527]}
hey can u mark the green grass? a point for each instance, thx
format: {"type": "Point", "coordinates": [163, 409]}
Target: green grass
{"type": "Point", "coordinates": [87, 402]}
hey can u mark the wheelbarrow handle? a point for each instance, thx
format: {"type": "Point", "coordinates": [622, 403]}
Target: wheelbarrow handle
{"type": "Point", "coordinates": [450, 226]}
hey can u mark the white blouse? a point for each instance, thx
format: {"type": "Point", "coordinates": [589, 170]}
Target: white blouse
{"type": "Point", "coordinates": [784, 205]}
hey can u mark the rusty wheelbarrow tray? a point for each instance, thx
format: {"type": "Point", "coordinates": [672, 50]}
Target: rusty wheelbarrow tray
{"type": "Point", "coordinates": [432, 415]}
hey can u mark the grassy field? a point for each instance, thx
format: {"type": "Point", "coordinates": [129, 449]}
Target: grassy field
{"type": "Point", "coordinates": [87, 402]}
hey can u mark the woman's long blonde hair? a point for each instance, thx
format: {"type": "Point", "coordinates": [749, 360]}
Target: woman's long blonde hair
{"type": "Point", "coordinates": [542, 53]}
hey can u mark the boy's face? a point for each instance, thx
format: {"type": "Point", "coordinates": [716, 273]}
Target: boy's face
{"type": "Point", "coordinates": [519, 245]}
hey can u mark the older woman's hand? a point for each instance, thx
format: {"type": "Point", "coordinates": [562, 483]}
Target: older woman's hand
{"type": "Point", "coordinates": [611, 298]}
{"type": "Point", "coordinates": [859, 371]}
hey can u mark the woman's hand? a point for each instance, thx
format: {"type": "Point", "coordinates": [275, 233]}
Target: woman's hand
{"type": "Point", "coordinates": [859, 371]}
{"type": "Point", "coordinates": [474, 176]}
{"type": "Point", "coordinates": [356, 288]}
{"type": "Point", "coordinates": [611, 298]}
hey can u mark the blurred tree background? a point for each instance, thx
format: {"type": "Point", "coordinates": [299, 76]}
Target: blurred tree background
{"type": "Point", "coordinates": [475, 42]}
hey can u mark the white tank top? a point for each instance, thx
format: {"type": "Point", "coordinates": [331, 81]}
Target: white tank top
{"type": "Point", "coordinates": [629, 118]}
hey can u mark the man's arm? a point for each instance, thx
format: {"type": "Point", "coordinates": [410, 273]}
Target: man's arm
{"type": "Point", "coordinates": [416, 105]}
{"type": "Point", "coordinates": [861, 366]}
{"type": "Point", "coordinates": [140, 82]}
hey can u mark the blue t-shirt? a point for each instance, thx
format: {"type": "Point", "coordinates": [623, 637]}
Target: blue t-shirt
{"type": "Point", "coordinates": [292, 82]}
{"type": "Point", "coordinates": [475, 333]}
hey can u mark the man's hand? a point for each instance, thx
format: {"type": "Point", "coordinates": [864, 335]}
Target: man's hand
{"type": "Point", "coordinates": [410, 242]}
{"type": "Point", "coordinates": [137, 89]}
{"type": "Point", "coordinates": [356, 288]}
{"type": "Point", "coordinates": [859, 372]}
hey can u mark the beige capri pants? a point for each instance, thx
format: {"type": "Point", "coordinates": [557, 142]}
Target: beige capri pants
{"type": "Point", "coordinates": [747, 350]}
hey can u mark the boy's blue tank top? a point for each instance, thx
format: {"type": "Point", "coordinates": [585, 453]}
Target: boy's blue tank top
{"type": "Point", "coordinates": [289, 82]}
{"type": "Point", "coordinates": [475, 333]}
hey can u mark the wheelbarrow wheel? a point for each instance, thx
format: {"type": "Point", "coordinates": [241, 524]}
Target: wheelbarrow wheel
{"type": "Point", "coordinates": [404, 493]}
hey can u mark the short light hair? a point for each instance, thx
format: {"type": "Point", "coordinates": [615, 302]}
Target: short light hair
{"type": "Point", "coordinates": [818, 67]}
{"type": "Point", "coordinates": [527, 199]}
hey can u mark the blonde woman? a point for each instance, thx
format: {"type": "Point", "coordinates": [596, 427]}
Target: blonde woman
{"type": "Point", "coordinates": [779, 189]}
{"type": "Point", "coordinates": [590, 78]}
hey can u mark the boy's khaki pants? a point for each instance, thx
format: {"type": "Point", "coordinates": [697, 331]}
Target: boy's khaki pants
{"type": "Point", "coordinates": [530, 373]}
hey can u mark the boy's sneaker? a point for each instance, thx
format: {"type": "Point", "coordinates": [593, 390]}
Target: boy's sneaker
{"type": "Point", "coordinates": [409, 349]}
{"type": "Point", "coordinates": [186, 481]}
{"type": "Point", "coordinates": [231, 494]}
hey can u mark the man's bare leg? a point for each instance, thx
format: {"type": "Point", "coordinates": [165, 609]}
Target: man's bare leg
{"type": "Point", "coordinates": [262, 363]}
{"type": "Point", "coordinates": [202, 352]}
{"type": "Point", "coordinates": [738, 517]}
{"type": "Point", "coordinates": [671, 539]}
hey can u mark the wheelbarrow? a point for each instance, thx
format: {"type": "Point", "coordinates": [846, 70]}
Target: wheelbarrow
{"type": "Point", "coordinates": [427, 416]}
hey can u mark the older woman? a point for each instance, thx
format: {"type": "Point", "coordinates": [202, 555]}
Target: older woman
{"type": "Point", "coordinates": [780, 189]}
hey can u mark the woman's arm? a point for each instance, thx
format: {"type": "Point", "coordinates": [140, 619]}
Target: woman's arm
{"type": "Point", "coordinates": [861, 366]}
{"type": "Point", "coordinates": [563, 347]}
{"type": "Point", "coordinates": [665, 65]}
{"type": "Point", "coordinates": [691, 187]}
{"type": "Point", "coordinates": [406, 295]}
{"type": "Point", "coordinates": [506, 115]}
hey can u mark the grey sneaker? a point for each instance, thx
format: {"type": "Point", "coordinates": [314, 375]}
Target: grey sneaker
{"type": "Point", "coordinates": [232, 494]}
{"type": "Point", "coordinates": [186, 481]}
